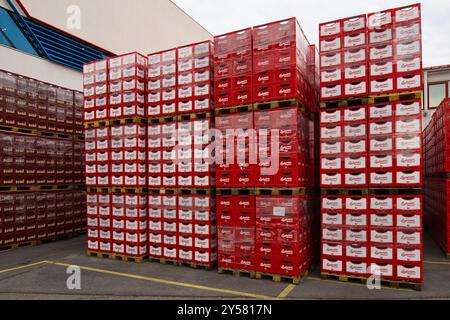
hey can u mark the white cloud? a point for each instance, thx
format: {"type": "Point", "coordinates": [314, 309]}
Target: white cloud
{"type": "Point", "coordinates": [225, 16]}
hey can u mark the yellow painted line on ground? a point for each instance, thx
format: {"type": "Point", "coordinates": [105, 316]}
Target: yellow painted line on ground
{"type": "Point", "coordinates": [356, 284]}
{"type": "Point", "coordinates": [23, 267]}
{"type": "Point", "coordinates": [168, 282]}
{"type": "Point", "coordinates": [286, 291]}
{"type": "Point", "coordinates": [437, 262]}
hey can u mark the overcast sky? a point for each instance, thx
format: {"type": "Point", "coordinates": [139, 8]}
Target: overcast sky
{"type": "Point", "coordinates": [224, 16]}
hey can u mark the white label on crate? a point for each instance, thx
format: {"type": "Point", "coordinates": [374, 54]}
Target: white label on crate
{"type": "Point", "coordinates": [331, 59]}
{"type": "Point", "coordinates": [408, 143]}
{"type": "Point", "coordinates": [203, 243]}
{"type": "Point", "coordinates": [380, 19]}
{"type": "Point", "coordinates": [332, 219]}
{"type": "Point", "coordinates": [357, 146]}
{"type": "Point", "coordinates": [356, 88]}
{"type": "Point", "coordinates": [356, 203]}
{"type": "Point", "coordinates": [154, 72]}
{"type": "Point", "coordinates": [88, 79]}
{"type": "Point", "coordinates": [186, 215]}
{"type": "Point", "coordinates": [356, 268]}
{"type": "Point", "coordinates": [332, 234]}
{"type": "Point", "coordinates": [117, 155]}
{"type": "Point", "coordinates": [356, 220]}
{"type": "Point", "coordinates": [331, 75]}
{"type": "Point", "coordinates": [409, 160]}
{"type": "Point", "coordinates": [185, 52]}
{"type": "Point", "coordinates": [381, 68]}
{"type": "Point", "coordinates": [382, 253]}
{"type": "Point", "coordinates": [409, 82]}
{"type": "Point", "coordinates": [408, 48]}
{"type": "Point", "coordinates": [356, 130]}
{"type": "Point", "coordinates": [409, 221]}
{"type": "Point", "coordinates": [118, 211]}
{"type": "Point", "coordinates": [330, 44]}
{"type": "Point", "coordinates": [355, 163]}
{"type": "Point", "coordinates": [355, 55]}
{"type": "Point", "coordinates": [409, 65]}
{"type": "Point", "coordinates": [155, 237]}
{"type": "Point", "coordinates": [331, 164]}
{"type": "Point", "coordinates": [382, 236]}
{"type": "Point", "coordinates": [332, 250]}
{"type": "Point", "coordinates": [155, 225]}
{"type": "Point", "coordinates": [355, 40]}
{"type": "Point", "coordinates": [381, 111]}
{"type": "Point", "coordinates": [100, 101]}
{"type": "Point", "coordinates": [409, 238]}
{"type": "Point", "coordinates": [408, 109]}
{"type": "Point", "coordinates": [356, 251]}
{"type": "Point", "coordinates": [383, 127]}
{"type": "Point", "coordinates": [355, 72]}
{"type": "Point", "coordinates": [382, 162]}
{"type": "Point", "coordinates": [154, 84]}
{"type": "Point", "coordinates": [331, 148]}
{"type": "Point", "coordinates": [115, 74]}
{"type": "Point", "coordinates": [381, 178]}
{"type": "Point", "coordinates": [330, 29]}
{"type": "Point", "coordinates": [101, 89]}
{"type": "Point", "coordinates": [384, 270]}
{"type": "Point", "coordinates": [355, 23]}
{"type": "Point", "coordinates": [185, 228]}
{"type": "Point", "coordinates": [331, 132]}
{"type": "Point", "coordinates": [334, 266]}
{"type": "Point", "coordinates": [185, 65]}
{"type": "Point", "coordinates": [331, 91]}
{"type": "Point", "coordinates": [154, 97]}
{"type": "Point", "coordinates": [89, 103]}
{"type": "Point", "coordinates": [407, 14]}
{"type": "Point", "coordinates": [200, 181]}
{"type": "Point", "coordinates": [170, 239]}
{"type": "Point", "coordinates": [381, 203]}
{"type": "Point", "coordinates": [185, 79]}
{"type": "Point", "coordinates": [332, 203]}
{"type": "Point", "coordinates": [330, 117]}
{"type": "Point", "coordinates": [355, 114]}
{"type": "Point", "coordinates": [155, 213]}
{"type": "Point", "coordinates": [169, 82]}
{"type": "Point", "coordinates": [202, 76]}
{"type": "Point", "coordinates": [409, 255]}
{"type": "Point", "coordinates": [156, 251]}
{"type": "Point", "coordinates": [381, 144]}
{"type": "Point", "coordinates": [384, 85]}
{"type": "Point", "coordinates": [200, 63]}
{"type": "Point", "coordinates": [169, 55]}
{"type": "Point", "coordinates": [381, 220]}
{"type": "Point", "coordinates": [185, 167]}
{"type": "Point", "coordinates": [407, 31]}
{"type": "Point", "coordinates": [169, 69]}
{"type": "Point", "coordinates": [380, 35]}
{"type": "Point", "coordinates": [202, 48]}
{"type": "Point", "coordinates": [408, 178]}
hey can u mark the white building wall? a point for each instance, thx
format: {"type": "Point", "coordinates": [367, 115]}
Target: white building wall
{"type": "Point", "coordinates": [41, 69]}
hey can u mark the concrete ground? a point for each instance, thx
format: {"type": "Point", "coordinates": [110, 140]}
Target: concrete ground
{"type": "Point", "coordinates": [40, 273]}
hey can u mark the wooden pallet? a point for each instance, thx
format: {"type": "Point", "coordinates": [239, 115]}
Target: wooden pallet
{"type": "Point", "coordinates": [57, 135]}
{"type": "Point", "coordinates": [14, 246]}
{"type": "Point", "coordinates": [259, 106]}
{"type": "Point", "coordinates": [117, 257]}
{"type": "Point", "coordinates": [344, 191]}
{"type": "Point", "coordinates": [128, 190]}
{"type": "Point", "coordinates": [36, 132]}
{"type": "Point", "coordinates": [24, 188]}
{"type": "Point", "coordinates": [33, 243]}
{"type": "Point", "coordinates": [238, 272]}
{"type": "Point", "coordinates": [344, 103]}
{"type": "Point", "coordinates": [281, 191]}
{"type": "Point", "coordinates": [194, 116]}
{"type": "Point", "coordinates": [165, 119]}
{"type": "Point", "coordinates": [95, 124]}
{"type": "Point", "coordinates": [194, 265]}
{"type": "Point", "coordinates": [394, 97]}
{"type": "Point", "coordinates": [98, 190]}
{"type": "Point", "coordinates": [131, 120]}
{"type": "Point", "coordinates": [395, 284]}
{"type": "Point", "coordinates": [18, 130]}
{"type": "Point", "coordinates": [234, 109]}
{"type": "Point", "coordinates": [279, 277]}
{"type": "Point", "coordinates": [195, 191]}
{"type": "Point", "coordinates": [395, 191]}
{"type": "Point", "coordinates": [235, 191]}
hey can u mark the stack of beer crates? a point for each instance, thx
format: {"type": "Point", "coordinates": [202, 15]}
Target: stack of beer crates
{"type": "Point", "coordinates": [436, 181]}
{"type": "Point", "coordinates": [182, 221]}
{"type": "Point", "coordinates": [41, 195]}
{"type": "Point", "coordinates": [116, 140]}
{"type": "Point", "coordinates": [371, 150]}
{"type": "Point", "coordinates": [263, 111]}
